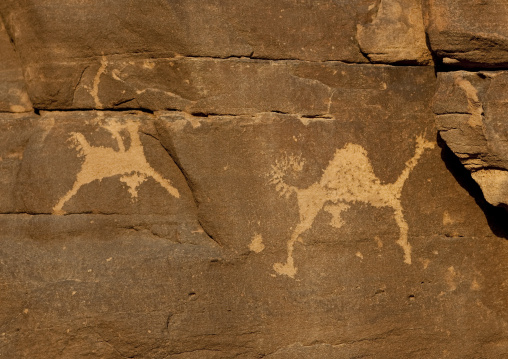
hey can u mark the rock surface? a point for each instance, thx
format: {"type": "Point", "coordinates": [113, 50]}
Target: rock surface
{"type": "Point", "coordinates": [151, 285]}
{"type": "Point", "coordinates": [395, 34]}
{"type": "Point", "coordinates": [233, 179]}
{"type": "Point", "coordinates": [13, 95]}
{"type": "Point", "coordinates": [78, 57]}
{"type": "Point", "coordinates": [229, 86]}
{"type": "Point", "coordinates": [468, 33]}
{"type": "Point", "coordinates": [288, 29]}
{"type": "Point", "coordinates": [471, 116]}
{"type": "Point", "coordinates": [99, 163]}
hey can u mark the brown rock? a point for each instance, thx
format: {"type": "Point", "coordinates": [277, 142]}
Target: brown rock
{"type": "Point", "coordinates": [395, 33]}
{"type": "Point", "coordinates": [282, 207]}
{"type": "Point", "coordinates": [106, 287]}
{"type": "Point", "coordinates": [288, 29]}
{"type": "Point", "coordinates": [75, 36]}
{"type": "Point", "coordinates": [99, 163]}
{"type": "Point", "coordinates": [13, 96]}
{"type": "Point", "coordinates": [294, 182]}
{"type": "Point", "coordinates": [101, 286]}
{"type": "Point", "coordinates": [200, 85]}
{"type": "Point", "coordinates": [468, 33]}
{"type": "Point", "coordinates": [15, 132]}
{"type": "Point", "coordinates": [471, 117]}
{"type": "Point", "coordinates": [230, 86]}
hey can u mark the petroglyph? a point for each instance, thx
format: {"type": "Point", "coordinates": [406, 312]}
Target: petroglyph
{"type": "Point", "coordinates": [474, 105]}
{"type": "Point", "coordinates": [348, 179]}
{"type": "Point", "coordinates": [94, 90]}
{"type": "Point", "coordinates": [257, 245]}
{"type": "Point", "coordinates": [103, 162]}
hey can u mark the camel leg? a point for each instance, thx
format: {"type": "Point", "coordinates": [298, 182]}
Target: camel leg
{"type": "Point", "coordinates": [404, 229]}
{"type": "Point", "coordinates": [421, 145]}
{"type": "Point", "coordinates": [289, 268]}
{"type": "Point", "coordinates": [58, 208]}
{"type": "Point", "coordinates": [310, 202]}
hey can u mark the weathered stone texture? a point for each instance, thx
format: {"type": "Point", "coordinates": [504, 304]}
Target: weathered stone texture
{"type": "Point", "coordinates": [280, 143]}
{"type": "Point", "coordinates": [293, 236]}
{"type": "Point", "coordinates": [66, 30]}
{"type": "Point", "coordinates": [97, 163]}
{"type": "Point", "coordinates": [471, 117]}
{"type": "Point", "coordinates": [229, 86]}
{"type": "Point", "coordinates": [13, 95]}
{"type": "Point", "coordinates": [468, 33]}
{"type": "Point", "coordinates": [59, 41]}
{"type": "Point", "coordinates": [238, 179]}
{"type": "Point", "coordinates": [111, 287]}
{"type": "Point", "coordinates": [81, 55]}
{"type": "Point", "coordinates": [395, 33]}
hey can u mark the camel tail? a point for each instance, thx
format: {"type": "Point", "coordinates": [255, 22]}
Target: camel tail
{"type": "Point", "coordinates": [421, 145]}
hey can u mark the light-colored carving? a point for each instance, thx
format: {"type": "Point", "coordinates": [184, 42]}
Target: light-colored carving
{"type": "Point", "coordinates": [94, 90]}
{"type": "Point", "coordinates": [474, 104]}
{"type": "Point", "coordinates": [256, 245]}
{"type": "Point", "coordinates": [348, 179]}
{"type": "Point", "coordinates": [103, 162]}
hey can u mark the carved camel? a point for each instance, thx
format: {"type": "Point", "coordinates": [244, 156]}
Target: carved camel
{"type": "Point", "coordinates": [349, 178]}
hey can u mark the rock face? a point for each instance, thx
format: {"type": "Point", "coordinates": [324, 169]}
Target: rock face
{"type": "Point", "coordinates": [468, 33]}
{"type": "Point", "coordinates": [471, 117]}
{"type": "Point", "coordinates": [395, 34]}
{"type": "Point", "coordinates": [78, 57]}
{"type": "Point", "coordinates": [233, 179]}
{"type": "Point", "coordinates": [470, 106]}
{"type": "Point", "coordinates": [13, 96]}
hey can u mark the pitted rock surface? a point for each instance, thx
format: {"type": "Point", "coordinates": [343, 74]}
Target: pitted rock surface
{"type": "Point", "coordinates": [253, 179]}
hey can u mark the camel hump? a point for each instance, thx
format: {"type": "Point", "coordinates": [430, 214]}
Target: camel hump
{"type": "Point", "coordinates": [349, 164]}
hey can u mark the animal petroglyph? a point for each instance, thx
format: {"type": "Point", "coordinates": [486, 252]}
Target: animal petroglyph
{"type": "Point", "coordinates": [348, 179]}
{"type": "Point", "coordinates": [94, 90]}
{"type": "Point", "coordinates": [102, 162]}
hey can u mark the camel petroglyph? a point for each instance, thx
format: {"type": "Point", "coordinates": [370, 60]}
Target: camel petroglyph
{"type": "Point", "coordinates": [348, 179]}
{"type": "Point", "coordinates": [102, 162]}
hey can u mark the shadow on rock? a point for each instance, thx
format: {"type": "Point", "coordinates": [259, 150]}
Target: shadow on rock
{"type": "Point", "coordinates": [497, 216]}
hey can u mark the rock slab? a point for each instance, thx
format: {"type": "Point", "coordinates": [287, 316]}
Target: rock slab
{"type": "Point", "coordinates": [471, 116]}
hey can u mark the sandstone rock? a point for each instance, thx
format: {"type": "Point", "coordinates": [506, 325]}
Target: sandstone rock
{"type": "Point", "coordinates": [75, 36]}
{"type": "Point", "coordinates": [98, 163]}
{"type": "Point", "coordinates": [15, 132]}
{"type": "Point", "coordinates": [383, 101]}
{"type": "Point", "coordinates": [286, 29]}
{"type": "Point", "coordinates": [395, 34]}
{"type": "Point", "coordinates": [271, 201]}
{"type": "Point", "coordinates": [13, 96]}
{"type": "Point", "coordinates": [92, 285]}
{"type": "Point", "coordinates": [85, 285]}
{"type": "Point", "coordinates": [329, 184]}
{"type": "Point", "coordinates": [471, 117]}
{"type": "Point", "coordinates": [468, 33]}
{"type": "Point", "coordinates": [230, 86]}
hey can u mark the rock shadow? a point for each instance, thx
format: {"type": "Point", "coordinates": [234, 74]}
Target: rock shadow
{"type": "Point", "coordinates": [497, 216]}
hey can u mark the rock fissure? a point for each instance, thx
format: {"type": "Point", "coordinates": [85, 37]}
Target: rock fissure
{"type": "Point", "coordinates": [246, 179]}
